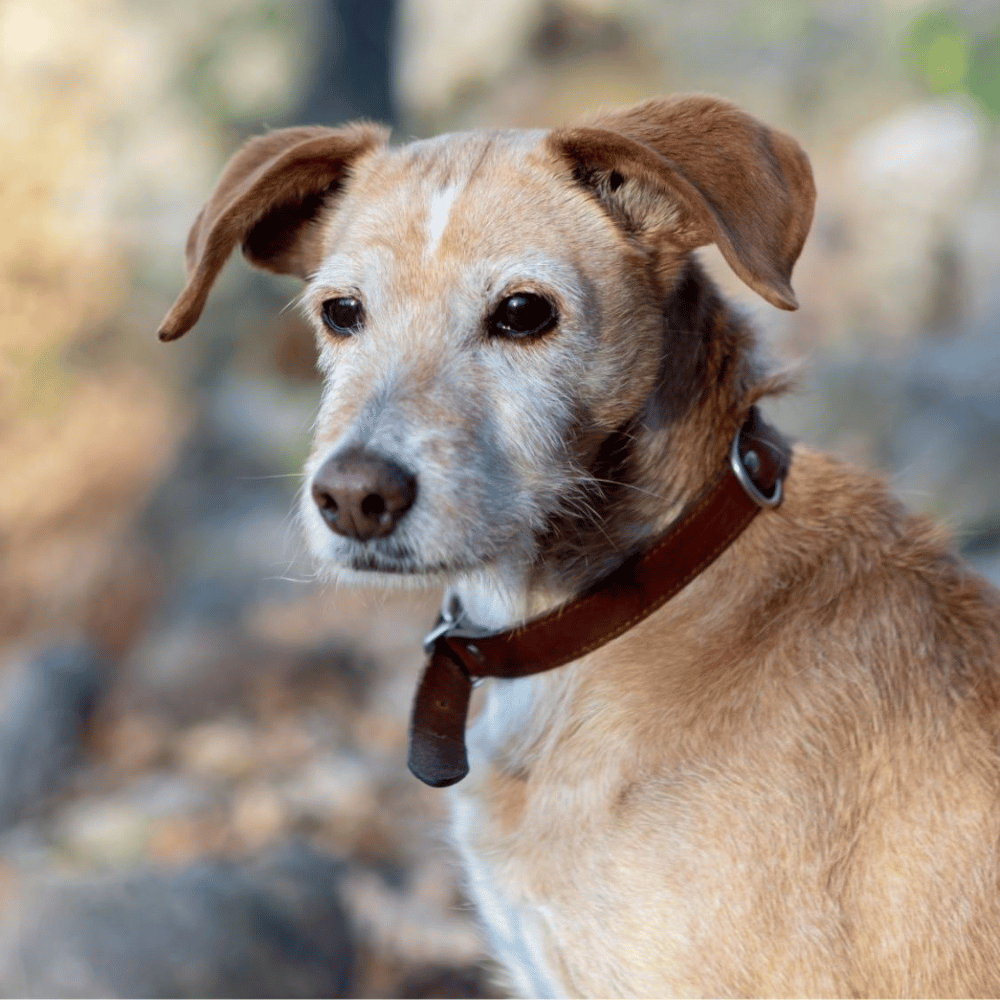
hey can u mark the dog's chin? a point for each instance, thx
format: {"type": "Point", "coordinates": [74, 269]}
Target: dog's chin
{"type": "Point", "coordinates": [371, 568]}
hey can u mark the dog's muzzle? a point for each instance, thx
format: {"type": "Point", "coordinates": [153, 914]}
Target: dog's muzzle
{"type": "Point", "coordinates": [362, 495]}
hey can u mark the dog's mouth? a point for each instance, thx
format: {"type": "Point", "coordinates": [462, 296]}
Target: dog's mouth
{"type": "Point", "coordinates": [369, 562]}
{"type": "Point", "coordinates": [402, 561]}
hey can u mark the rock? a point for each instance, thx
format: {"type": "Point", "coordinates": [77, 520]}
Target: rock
{"type": "Point", "coordinates": [987, 564]}
{"type": "Point", "coordinates": [117, 830]}
{"type": "Point", "coordinates": [445, 983]}
{"type": "Point", "coordinates": [443, 52]}
{"type": "Point", "coordinates": [103, 832]}
{"type": "Point", "coordinates": [271, 927]}
{"type": "Point", "coordinates": [220, 748]}
{"type": "Point", "coordinates": [926, 157]}
{"type": "Point", "coordinates": [334, 784]}
{"type": "Point", "coordinates": [258, 815]}
{"type": "Point", "coordinates": [911, 176]}
{"type": "Point", "coordinates": [185, 670]}
{"type": "Point", "coordinates": [45, 705]}
{"type": "Point", "coordinates": [932, 418]}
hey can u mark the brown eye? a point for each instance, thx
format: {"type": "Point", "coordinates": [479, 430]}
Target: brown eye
{"type": "Point", "coordinates": [522, 315]}
{"type": "Point", "coordinates": [343, 316]}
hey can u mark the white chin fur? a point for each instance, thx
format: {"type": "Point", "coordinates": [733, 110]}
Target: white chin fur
{"type": "Point", "coordinates": [356, 578]}
{"type": "Point", "coordinates": [492, 599]}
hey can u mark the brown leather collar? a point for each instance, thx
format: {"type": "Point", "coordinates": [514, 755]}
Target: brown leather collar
{"type": "Point", "coordinates": [752, 479]}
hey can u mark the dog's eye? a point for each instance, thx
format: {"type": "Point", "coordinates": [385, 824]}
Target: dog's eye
{"type": "Point", "coordinates": [343, 316]}
{"type": "Point", "coordinates": [523, 315]}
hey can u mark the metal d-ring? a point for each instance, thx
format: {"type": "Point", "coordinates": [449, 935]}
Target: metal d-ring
{"type": "Point", "coordinates": [451, 624]}
{"type": "Point", "coordinates": [742, 474]}
{"type": "Point", "coordinates": [447, 620]}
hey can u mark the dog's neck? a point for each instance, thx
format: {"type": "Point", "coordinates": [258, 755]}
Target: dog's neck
{"type": "Point", "coordinates": [499, 599]}
{"type": "Point", "coordinates": [644, 474]}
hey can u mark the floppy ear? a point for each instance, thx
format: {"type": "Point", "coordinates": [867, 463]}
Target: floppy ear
{"type": "Point", "coordinates": [267, 199]}
{"type": "Point", "coordinates": [692, 170]}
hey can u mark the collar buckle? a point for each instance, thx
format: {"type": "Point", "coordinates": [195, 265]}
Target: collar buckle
{"type": "Point", "coordinates": [452, 623]}
{"type": "Point", "coordinates": [448, 618]}
{"type": "Point", "coordinates": [742, 467]}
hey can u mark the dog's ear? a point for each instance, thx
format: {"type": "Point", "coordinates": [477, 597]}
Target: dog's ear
{"type": "Point", "coordinates": [693, 170]}
{"type": "Point", "coordinates": [268, 198]}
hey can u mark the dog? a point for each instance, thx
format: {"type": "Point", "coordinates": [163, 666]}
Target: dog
{"type": "Point", "coordinates": [779, 776]}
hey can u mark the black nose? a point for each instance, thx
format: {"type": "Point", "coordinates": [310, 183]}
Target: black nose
{"type": "Point", "coordinates": [361, 494]}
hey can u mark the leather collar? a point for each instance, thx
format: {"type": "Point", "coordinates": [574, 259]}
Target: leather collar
{"type": "Point", "coordinates": [457, 655]}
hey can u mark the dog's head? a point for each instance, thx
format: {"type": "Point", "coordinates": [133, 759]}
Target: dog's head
{"type": "Point", "coordinates": [489, 307]}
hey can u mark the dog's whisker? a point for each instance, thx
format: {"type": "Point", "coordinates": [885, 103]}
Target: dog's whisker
{"type": "Point", "coordinates": [591, 514]}
{"type": "Point", "coordinates": [295, 302]}
{"type": "Point", "coordinates": [276, 475]}
{"type": "Point", "coordinates": [630, 486]}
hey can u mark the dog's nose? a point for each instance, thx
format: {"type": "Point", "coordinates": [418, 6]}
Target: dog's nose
{"type": "Point", "coordinates": [361, 494]}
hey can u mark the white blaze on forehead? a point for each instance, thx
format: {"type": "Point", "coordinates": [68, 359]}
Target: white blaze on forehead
{"type": "Point", "coordinates": [438, 213]}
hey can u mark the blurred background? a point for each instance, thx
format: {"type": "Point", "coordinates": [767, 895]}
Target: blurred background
{"type": "Point", "coordinates": [202, 780]}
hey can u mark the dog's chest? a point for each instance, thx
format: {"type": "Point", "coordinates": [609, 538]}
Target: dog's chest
{"type": "Point", "coordinates": [515, 931]}
{"type": "Point", "coordinates": [514, 928]}
{"type": "Point", "coordinates": [541, 865]}
{"type": "Point", "coordinates": [586, 883]}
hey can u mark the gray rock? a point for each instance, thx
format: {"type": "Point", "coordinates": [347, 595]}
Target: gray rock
{"type": "Point", "coordinates": [931, 418]}
{"type": "Point", "coordinates": [44, 706]}
{"type": "Point", "coordinates": [987, 564]}
{"type": "Point", "coordinates": [273, 927]}
{"type": "Point", "coordinates": [912, 175]}
{"type": "Point", "coordinates": [444, 983]}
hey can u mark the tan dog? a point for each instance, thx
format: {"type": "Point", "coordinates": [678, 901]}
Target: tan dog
{"type": "Point", "coordinates": [785, 781]}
